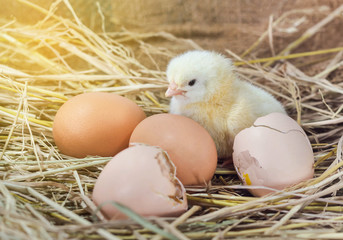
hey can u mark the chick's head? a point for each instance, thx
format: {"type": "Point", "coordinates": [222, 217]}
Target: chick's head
{"type": "Point", "coordinates": [197, 75]}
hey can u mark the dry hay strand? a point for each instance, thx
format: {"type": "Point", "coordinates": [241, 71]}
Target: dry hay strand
{"type": "Point", "coordinates": [46, 195]}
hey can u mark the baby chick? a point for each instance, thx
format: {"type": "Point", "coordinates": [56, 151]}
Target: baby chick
{"type": "Point", "coordinates": [204, 87]}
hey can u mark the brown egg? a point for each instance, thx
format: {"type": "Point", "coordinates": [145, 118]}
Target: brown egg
{"type": "Point", "coordinates": [274, 153]}
{"type": "Point", "coordinates": [95, 123]}
{"type": "Point", "coordinates": [188, 144]}
{"type": "Point", "coordinates": [142, 178]}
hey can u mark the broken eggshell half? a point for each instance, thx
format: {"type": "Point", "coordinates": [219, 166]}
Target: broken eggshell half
{"type": "Point", "coordinates": [142, 178]}
{"type": "Point", "coordinates": [274, 153]}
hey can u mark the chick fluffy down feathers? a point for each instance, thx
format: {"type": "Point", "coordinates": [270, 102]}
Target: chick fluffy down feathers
{"type": "Point", "coordinates": [216, 98]}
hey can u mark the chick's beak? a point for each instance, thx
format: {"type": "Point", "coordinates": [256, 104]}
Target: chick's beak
{"type": "Point", "coordinates": [173, 90]}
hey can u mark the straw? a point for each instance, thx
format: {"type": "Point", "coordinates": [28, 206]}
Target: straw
{"type": "Point", "coordinates": [45, 194]}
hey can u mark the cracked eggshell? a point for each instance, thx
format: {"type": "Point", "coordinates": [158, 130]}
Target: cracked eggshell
{"type": "Point", "coordinates": [275, 152]}
{"type": "Point", "coordinates": [142, 178]}
{"type": "Point", "coordinates": [189, 145]}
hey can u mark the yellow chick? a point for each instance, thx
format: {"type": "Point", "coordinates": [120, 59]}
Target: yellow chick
{"type": "Point", "coordinates": [204, 87]}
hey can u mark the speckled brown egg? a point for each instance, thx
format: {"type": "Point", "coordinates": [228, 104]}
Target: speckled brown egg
{"type": "Point", "coordinates": [188, 144]}
{"type": "Point", "coordinates": [95, 123]}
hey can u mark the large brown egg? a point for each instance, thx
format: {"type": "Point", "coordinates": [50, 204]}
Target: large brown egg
{"type": "Point", "coordinates": [188, 144]}
{"type": "Point", "coordinates": [95, 124]}
{"type": "Point", "coordinates": [142, 178]}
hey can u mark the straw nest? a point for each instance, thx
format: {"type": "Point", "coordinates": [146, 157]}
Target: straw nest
{"type": "Point", "coordinates": [46, 195]}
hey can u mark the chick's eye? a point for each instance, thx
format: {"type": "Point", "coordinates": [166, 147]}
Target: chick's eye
{"type": "Point", "coordinates": [192, 82]}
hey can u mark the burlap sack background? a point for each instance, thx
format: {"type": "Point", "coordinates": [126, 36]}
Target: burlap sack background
{"type": "Point", "coordinates": [213, 24]}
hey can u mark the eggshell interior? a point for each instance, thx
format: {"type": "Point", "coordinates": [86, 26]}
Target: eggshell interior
{"type": "Point", "coordinates": [274, 153]}
{"type": "Point", "coordinates": [188, 144]}
{"type": "Point", "coordinates": [95, 123]}
{"type": "Point", "coordinates": [142, 178]}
